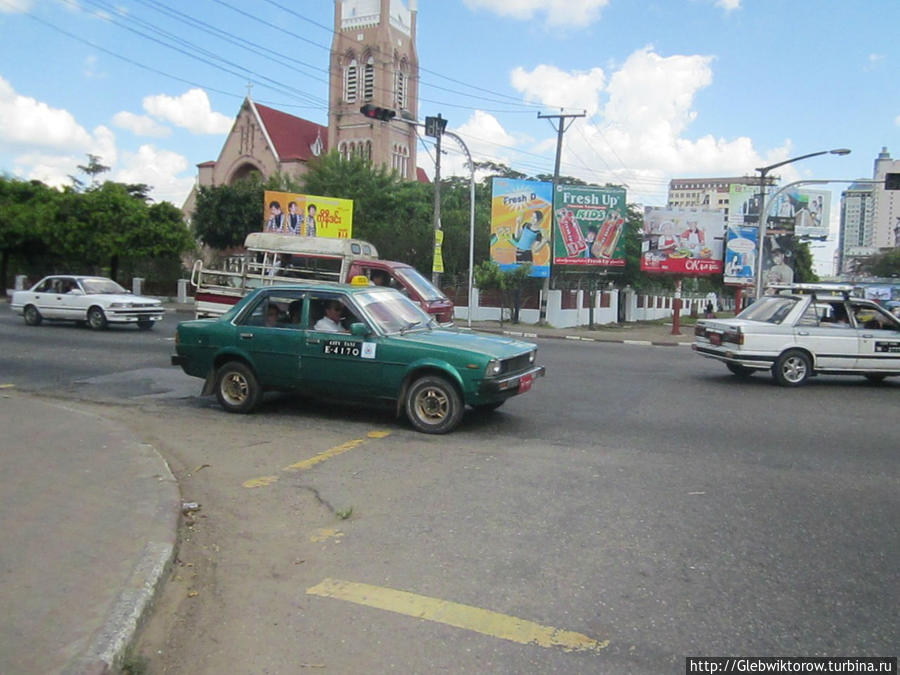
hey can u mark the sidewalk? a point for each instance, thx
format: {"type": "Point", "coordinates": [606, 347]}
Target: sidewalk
{"type": "Point", "coordinates": [89, 517]}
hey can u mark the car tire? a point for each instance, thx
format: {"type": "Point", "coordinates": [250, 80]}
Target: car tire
{"type": "Point", "coordinates": [433, 405]}
{"type": "Point", "coordinates": [96, 318]}
{"type": "Point", "coordinates": [32, 316]}
{"type": "Point", "coordinates": [792, 368]}
{"type": "Point", "coordinates": [739, 370]}
{"type": "Point", "coordinates": [875, 378]}
{"type": "Point", "coordinates": [145, 325]}
{"type": "Point", "coordinates": [237, 388]}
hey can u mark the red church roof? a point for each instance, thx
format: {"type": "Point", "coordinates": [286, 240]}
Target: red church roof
{"type": "Point", "coordinates": [293, 137]}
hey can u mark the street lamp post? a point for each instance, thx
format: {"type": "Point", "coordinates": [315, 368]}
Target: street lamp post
{"type": "Point", "coordinates": [763, 216]}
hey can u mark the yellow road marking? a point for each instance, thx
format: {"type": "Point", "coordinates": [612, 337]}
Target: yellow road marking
{"type": "Point", "coordinates": [378, 434]}
{"type": "Point", "coordinates": [482, 621]}
{"type": "Point", "coordinates": [324, 534]}
{"type": "Point", "coordinates": [260, 482]}
{"type": "Point", "coordinates": [322, 456]}
{"type": "Point", "coordinates": [11, 386]}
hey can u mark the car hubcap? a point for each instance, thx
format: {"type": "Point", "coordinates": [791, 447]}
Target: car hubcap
{"type": "Point", "coordinates": [794, 370]}
{"type": "Point", "coordinates": [234, 388]}
{"type": "Point", "coordinates": [432, 405]}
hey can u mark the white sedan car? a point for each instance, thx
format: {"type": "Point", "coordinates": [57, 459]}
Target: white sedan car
{"type": "Point", "coordinates": [805, 330]}
{"type": "Point", "coordinates": [96, 301]}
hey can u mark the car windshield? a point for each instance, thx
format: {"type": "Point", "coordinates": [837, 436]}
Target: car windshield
{"type": "Point", "coordinates": [771, 309]}
{"type": "Point", "coordinates": [422, 286]}
{"type": "Point", "coordinates": [101, 287]}
{"type": "Point", "coordinates": [392, 312]}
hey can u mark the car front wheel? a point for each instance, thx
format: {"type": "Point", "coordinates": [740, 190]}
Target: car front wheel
{"type": "Point", "coordinates": [792, 368]}
{"type": "Point", "coordinates": [32, 316]}
{"type": "Point", "coordinates": [96, 318]}
{"type": "Point", "coordinates": [237, 388]}
{"type": "Point", "coordinates": [433, 405]}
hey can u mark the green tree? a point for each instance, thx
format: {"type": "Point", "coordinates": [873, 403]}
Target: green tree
{"type": "Point", "coordinates": [26, 208]}
{"type": "Point", "coordinates": [510, 284]}
{"type": "Point", "coordinates": [803, 263]}
{"type": "Point", "coordinates": [225, 214]}
{"type": "Point", "coordinates": [885, 264]}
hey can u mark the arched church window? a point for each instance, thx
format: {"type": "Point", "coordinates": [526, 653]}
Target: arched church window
{"type": "Point", "coordinates": [351, 82]}
{"type": "Point", "coordinates": [369, 80]}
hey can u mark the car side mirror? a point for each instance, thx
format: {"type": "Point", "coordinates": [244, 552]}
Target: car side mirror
{"type": "Point", "coordinates": [359, 329]}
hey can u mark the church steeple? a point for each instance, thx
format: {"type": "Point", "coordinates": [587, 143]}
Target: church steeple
{"type": "Point", "coordinates": [374, 60]}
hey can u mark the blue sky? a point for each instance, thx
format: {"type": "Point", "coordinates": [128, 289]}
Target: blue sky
{"type": "Point", "coordinates": [672, 88]}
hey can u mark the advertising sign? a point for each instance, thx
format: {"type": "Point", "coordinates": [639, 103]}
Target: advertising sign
{"type": "Point", "coordinates": [804, 212]}
{"type": "Point", "coordinates": [740, 254]}
{"type": "Point", "coordinates": [743, 204]}
{"type": "Point", "coordinates": [590, 222]}
{"type": "Point", "coordinates": [307, 215]}
{"type": "Point", "coordinates": [778, 260]}
{"type": "Point", "coordinates": [520, 224]}
{"type": "Point", "coordinates": [682, 241]}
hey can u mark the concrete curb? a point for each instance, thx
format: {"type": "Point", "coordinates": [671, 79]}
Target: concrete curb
{"type": "Point", "coordinates": [108, 646]}
{"type": "Point", "coordinates": [582, 338]}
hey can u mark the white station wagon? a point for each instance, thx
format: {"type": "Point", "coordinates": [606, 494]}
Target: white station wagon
{"type": "Point", "coordinates": [805, 330]}
{"type": "Point", "coordinates": [97, 301]}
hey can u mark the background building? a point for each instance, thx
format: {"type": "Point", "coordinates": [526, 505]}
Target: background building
{"type": "Point", "coordinates": [707, 193]}
{"type": "Point", "coordinates": [870, 216]}
{"type": "Point", "coordinates": [373, 60]}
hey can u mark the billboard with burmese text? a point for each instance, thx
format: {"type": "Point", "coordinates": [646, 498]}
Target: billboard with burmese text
{"type": "Point", "coordinates": [307, 215]}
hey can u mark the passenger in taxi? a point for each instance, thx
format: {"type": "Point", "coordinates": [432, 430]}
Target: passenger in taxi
{"type": "Point", "coordinates": [331, 322]}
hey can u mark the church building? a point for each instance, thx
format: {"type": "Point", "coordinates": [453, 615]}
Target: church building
{"type": "Point", "coordinates": [373, 61]}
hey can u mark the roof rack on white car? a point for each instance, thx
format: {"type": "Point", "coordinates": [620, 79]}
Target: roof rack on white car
{"type": "Point", "coordinates": [814, 288]}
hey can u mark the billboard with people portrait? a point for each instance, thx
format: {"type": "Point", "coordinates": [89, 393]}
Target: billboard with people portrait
{"type": "Point", "coordinates": [682, 241]}
{"type": "Point", "coordinates": [307, 215]}
{"type": "Point", "coordinates": [778, 260]}
{"type": "Point", "coordinates": [806, 213]}
{"type": "Point", "coordinates": [520, 224]}
{"type": "Point", "coordinates": [590, 222]}
{"type": "Point", "coordinates": [740, 254]}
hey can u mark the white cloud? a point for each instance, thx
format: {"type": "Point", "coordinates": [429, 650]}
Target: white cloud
{"type": "Point", "coordinates": [637, 129]}
{"type": "Point", "coordinates": [558, 12]}
{"type": "Point", "coordinates": [159, 169]}
{"type": "Point", "coordinates": [27, 122]}
{"type": "Point", "coordinates": [190, 111]}
{"type": "Point", "coordinates": [140, 125]}
{"type": "Point", "coordinates": [897, 120]}
{"type": "Point", "coordinates": [728, 5]}
{"type": "Point", "coordinates": [15, 6]}
{"type": "Point", "coordinates": [551, 86]}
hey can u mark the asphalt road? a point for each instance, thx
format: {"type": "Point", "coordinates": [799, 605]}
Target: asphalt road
{"type": "Point", "coordinates": [641, 497]}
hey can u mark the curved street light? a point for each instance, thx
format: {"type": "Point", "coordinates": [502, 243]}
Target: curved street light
{"type": "Point", "coordinates": [763, 216]}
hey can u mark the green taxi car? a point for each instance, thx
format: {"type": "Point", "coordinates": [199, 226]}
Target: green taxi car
{"type": "Point", "coordinates": [352, 342]}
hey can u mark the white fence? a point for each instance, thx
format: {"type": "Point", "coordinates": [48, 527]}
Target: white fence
{"type": "Point", "coordinates": [636, 307]}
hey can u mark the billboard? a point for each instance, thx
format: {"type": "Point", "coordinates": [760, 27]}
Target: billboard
{"type": "Point", "coordinates": [806, 213]}
{"type": "Point", "coordinates": [520, 224]}
{"type": "Point", "coordinates": [682, 241]}
{"type": "Point", "coordinates": [307, 215]}
{"type": "Point", "coordinates": [740, 254]}
{"type": "Point", "coordinates": [590, 222]}
{"type": "Point", "coordinates": [778, 260]}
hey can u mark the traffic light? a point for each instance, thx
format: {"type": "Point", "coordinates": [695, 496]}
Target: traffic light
{"type": "Point", "coordinates": [376, 113]}
{"type": "Point", "coordinates": [435, 126]}
{"type": "Point", "coordinates": [892, 181]}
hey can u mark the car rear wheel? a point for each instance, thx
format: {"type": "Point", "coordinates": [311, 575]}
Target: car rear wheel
{"type": "Point", "coordinates": [96, 318]}
{"type": "Point", "coordinates": [792, 368]}
{"type": "Point", "coordinates": [32, 316]}
{"type": "Point", "coordinates": [433, 405]}
{"type": "Point", "coordinates": [145, 325]}
{"type": "Point", "coordinates": [739, 370]}
{"type": "Point", "coordinates": [237, 388]}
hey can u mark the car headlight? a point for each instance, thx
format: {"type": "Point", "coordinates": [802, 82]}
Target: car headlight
{"type": "Point", "coordinates": [119, 305]}
{"type": "Point", "coordinates": [532, 356]}
{"type": "Point", "coordinates": [493, 367]}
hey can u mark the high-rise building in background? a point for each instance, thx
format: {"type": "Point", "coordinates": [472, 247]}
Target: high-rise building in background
{"type": "Point", "coordinates": [870, 216]}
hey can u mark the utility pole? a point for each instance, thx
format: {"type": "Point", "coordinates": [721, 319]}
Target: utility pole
{"type": "Point", "coordinates": [434, 127]}
{"type": "Point", "coordinates": [560, 130]}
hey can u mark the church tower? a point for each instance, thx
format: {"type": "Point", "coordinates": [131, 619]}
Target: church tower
{"type": "Point", "coordinates": [374, 61]}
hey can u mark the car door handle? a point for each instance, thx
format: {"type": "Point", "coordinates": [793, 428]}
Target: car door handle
{"type": "Point", "coordinates": [868, 335]}
{"type": "Point", "coordinates": [802, 332]}
{"type": "Point", "coordinates": [246, 336]}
